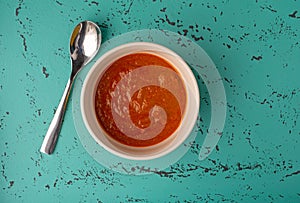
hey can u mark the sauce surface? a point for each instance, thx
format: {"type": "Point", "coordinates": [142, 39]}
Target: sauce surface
{"type": "Point", "coordinates": [140, 100]}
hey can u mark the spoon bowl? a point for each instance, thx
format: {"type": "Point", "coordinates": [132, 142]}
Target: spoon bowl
{"type": "Point", "coordinates": [84, 44]}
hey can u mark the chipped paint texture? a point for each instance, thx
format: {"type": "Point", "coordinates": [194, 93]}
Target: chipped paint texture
{"type": "Point", "coordinates": [256, 48]}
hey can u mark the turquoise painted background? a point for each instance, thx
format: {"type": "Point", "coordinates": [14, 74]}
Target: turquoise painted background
{"type": "Point", "coordinates": [255, 46]}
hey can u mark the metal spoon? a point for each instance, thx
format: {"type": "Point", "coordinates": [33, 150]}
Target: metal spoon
{"type": "Point", "coordinates": [84, 45]}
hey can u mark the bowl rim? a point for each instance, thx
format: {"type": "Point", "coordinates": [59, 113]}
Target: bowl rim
{"type": "Point", "coordinates": [157, 48]}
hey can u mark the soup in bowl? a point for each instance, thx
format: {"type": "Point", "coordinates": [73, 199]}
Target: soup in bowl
{"type": "Point", "coordinates": [140, 101]}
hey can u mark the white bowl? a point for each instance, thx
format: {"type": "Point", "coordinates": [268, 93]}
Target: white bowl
{"type": "Point", "coordinates": [189, 117]}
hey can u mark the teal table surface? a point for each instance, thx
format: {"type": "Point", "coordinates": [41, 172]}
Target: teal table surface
{"type": "Point", "coordinates": [255, 46]}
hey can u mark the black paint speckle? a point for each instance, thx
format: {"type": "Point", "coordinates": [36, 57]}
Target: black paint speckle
{"type": "Point", "coordinates": [24, 42]}
{"type": "Point", "coordinates": [293, 15]}
{"type": "Point", "coordinates": [232, 39]}
{"type": "Point", "coordinates": [185, 31]}
{"type": "Point", "coordinates": [95, 3]}
{"type": "Point", "coordinates": [270, 8]}
{"type": "Point", "coordinates": [197, 38]}
{"type": "Point", "coordinates": [18, 8]}
{"type": "Point", "coordinates": [257, 58]}
{"type": "Point", "coordinates": [11, 183]}
{"type": "Point", "coordinates": [55, 182]}
{"type": "Point", "coordinates": [169, 21]}
{"type": "Point", "coordinates": [291, 174]}
{"type": "Point", "coordinates": [163, 9]}
{"type": "Point", "coordinates": [59, 3]}
{"type": "Point", "coordinates": [133, 199]}
{"type": "Point", "coordinates": [3, 172]}
{"type": "Point", "coordinates": [45, 72]}
{"type": "Point", "coordinates": [128, 9]}
{"type": "Point", "coordinates": [227, 45]}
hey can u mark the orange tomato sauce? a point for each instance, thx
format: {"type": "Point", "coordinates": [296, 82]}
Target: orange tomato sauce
{"type": "Point", "coordinates": [141, 101]}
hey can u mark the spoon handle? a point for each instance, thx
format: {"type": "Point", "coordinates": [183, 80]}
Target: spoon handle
{"type": "Point", "coordinates": [56, 123]}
